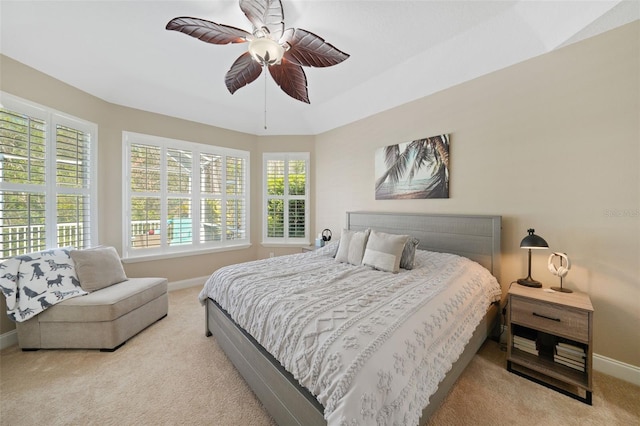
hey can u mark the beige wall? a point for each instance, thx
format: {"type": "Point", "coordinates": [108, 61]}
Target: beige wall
{"type": "Point", "coordinates": [571, 115]}
{"type": "Point", "coordinates": [552, 143]}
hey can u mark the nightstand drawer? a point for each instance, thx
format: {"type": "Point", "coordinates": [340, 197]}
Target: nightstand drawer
{"type": "Point", "coordinates": [554, 319]}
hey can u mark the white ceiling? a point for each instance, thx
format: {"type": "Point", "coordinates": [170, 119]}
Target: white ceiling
{"type": "Point", "coordinates": [400, 50]}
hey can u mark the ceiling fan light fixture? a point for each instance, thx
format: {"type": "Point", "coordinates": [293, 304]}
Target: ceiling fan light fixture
{"type": "Point", "coordinates": [268, 44]}
{"type": "Point", "coordinates": [266, 51]}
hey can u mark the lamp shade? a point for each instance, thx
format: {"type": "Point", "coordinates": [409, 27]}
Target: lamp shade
{"type": "Point", "coordinates": [533, 241]}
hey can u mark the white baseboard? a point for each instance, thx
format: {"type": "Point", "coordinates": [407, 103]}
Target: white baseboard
{"type": "Point", "coordinates": [9, 338]}
{"type": "Point", "coordinates": [619, 370]}
{"type": "Point", "coordinates": [191, 282]}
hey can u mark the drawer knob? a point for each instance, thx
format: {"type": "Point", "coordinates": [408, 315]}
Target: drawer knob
{"type": "Point", "coordinates": [535, 314]}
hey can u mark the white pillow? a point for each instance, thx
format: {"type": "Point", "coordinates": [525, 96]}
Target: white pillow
{"type": "Point", "coordinates": [351, 248]}
{"type": "Point", "coordinates": [384, 251]}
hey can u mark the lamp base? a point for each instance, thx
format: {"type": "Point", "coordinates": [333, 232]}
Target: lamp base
{"type": "Point", "coordinates": [562, 289]}
{"type": "Point", "coordinates": [529, 282]}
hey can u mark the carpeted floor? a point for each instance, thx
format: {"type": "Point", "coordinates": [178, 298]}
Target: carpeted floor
{"type": "Point", "coordinates": [171, 374]}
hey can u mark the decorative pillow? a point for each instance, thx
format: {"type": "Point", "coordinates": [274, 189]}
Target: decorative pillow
{"type": "Point", "coordinates": [384, 251]}
{"type": "Point", "coordinates": [351, 248]}
{"type": "Point", "coordinates": [329, 249]}
{"type": "Point", "coordinates": [98, 267]}
{"type": "Point", "coordinates": [409, 253]}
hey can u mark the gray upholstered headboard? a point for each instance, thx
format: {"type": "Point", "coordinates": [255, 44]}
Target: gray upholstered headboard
{"type": "Point", "coordinates": [476, 237]}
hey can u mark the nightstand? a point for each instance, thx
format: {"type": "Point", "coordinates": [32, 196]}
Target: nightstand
{"type": "Point", "coordinates": [550, 339]}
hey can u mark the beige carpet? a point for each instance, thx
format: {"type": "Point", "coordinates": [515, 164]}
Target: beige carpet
{"type": "Point", "coordinates": [171, 374]}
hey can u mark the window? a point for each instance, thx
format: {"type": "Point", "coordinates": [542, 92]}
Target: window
{"type": "Point", "coordinates": [286, 198]}
{"type": "Point", "coordinates": [181, 197]}
{"type": "Point", "coordinates": [47, 179]}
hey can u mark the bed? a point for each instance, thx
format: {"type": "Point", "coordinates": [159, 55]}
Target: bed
{"type": "Point", "coordinates": [323, 351]}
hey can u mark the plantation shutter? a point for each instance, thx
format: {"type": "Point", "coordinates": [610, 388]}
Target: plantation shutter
{"type": "Point", "coordinates": [183, 197]}
{"type": "Point", "coordinates": [22, 180]}
{"type": "Point", "coordinates": [45, 181]}
{"type": "Point", "coordinates": [145, 201]}
{"type": "Point", "coordinates": [179, 208]}
{"type": "Point", "coordinates": [286, 198]}
{"type": "Point", "coordinates": [211, 178]}
{"type": "Point", "coordinates": [73, 181]}
{"type": "Point", "coordinates": [296, 179]}
{"type": "Point", "coordinates": [275, 198]}
{"type": "Point", "coordinates": [236, 211]}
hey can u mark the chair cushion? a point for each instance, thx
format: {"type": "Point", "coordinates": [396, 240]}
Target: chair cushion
{"type": "Point", "coordinates": [108, 303]}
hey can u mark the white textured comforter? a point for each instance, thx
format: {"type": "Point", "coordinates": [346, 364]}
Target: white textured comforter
{"type": "Point", "coordinates": [371, 345]}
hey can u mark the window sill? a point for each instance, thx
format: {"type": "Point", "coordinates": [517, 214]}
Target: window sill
{"type": "Point", "coordinates": [161, 256]}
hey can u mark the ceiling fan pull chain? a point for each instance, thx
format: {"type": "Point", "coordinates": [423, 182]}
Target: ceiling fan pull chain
{"type": "Point", "coordinates": [265, 97]}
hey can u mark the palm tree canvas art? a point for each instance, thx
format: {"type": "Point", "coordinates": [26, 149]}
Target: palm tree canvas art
{"type": "Point", "coordinates": [416, 169]}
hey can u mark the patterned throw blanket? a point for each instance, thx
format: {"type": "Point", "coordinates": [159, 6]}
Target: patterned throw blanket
{"type": "Point", "coordinates": [33, 282]}
{"type": "Point", "coordinates": [371, 346]}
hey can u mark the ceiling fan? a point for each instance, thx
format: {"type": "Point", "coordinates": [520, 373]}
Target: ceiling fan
{"type": "Point", "coordinates": [284, 52]}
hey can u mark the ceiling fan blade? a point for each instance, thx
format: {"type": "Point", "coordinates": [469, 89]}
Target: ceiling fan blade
{"type": "Point", "coordinates": [310, 50]}
{"type": "Point", "coordinates": [208, 31]}
{"type": "Point", "coordinates": [265, 13]}
{"type": "Point", "coordinates": [243, 71]}
{"type": "Point", "coordinates": [291, 79]}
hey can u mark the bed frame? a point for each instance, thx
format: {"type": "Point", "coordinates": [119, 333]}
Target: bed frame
{"type": "Point", "coordinates": [473, 236]}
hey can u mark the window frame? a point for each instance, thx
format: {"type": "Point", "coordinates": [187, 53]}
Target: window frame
{"type": "Point", "coordinates": [286, 240]}
{"type": "Point", "coordinates": [52, 119]}
{"type": "Point", "coordinates": [196, 246]}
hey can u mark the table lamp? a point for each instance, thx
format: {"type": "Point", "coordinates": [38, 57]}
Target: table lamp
{"type": "Point", "coordinates": [532, 242]}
